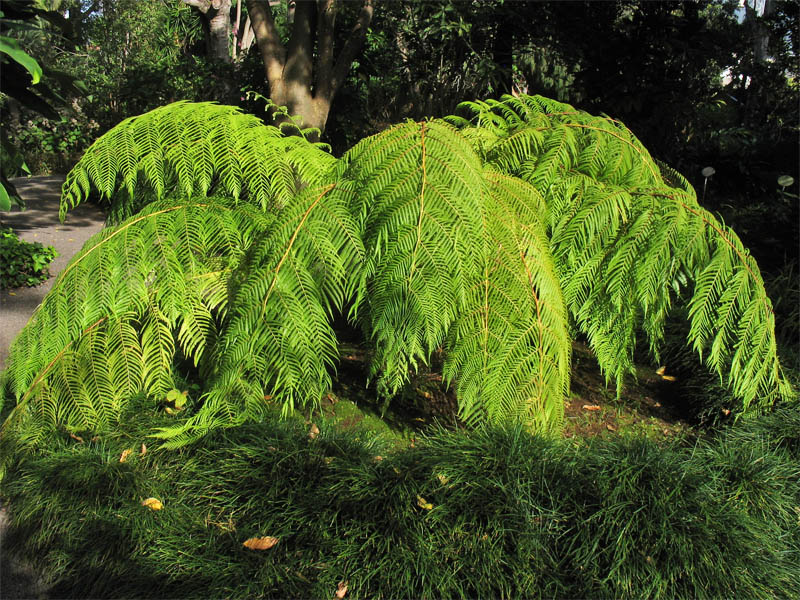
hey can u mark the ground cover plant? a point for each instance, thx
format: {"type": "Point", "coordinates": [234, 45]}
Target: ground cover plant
{"type": "Point", "coordinates": [24, 263]}
{"type": "Point", "coordinates": [495, 512]}
{"type": "Point", "coordinates": [493, 239]}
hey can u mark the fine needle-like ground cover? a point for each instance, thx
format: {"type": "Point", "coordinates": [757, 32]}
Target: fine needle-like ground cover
{"type": "Point", "coordinates": [465, 264]}
{"type": "Point", "coordinates": [486, 513]}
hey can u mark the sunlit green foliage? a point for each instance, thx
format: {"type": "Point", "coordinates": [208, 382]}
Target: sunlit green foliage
{"type": "Point", "coordinates": [494, 240]}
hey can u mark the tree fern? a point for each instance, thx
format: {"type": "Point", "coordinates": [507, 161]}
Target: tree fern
{"type": "Point", "coordinates": [489, 239]}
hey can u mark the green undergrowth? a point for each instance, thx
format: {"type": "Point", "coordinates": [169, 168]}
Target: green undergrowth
{"type": "Point", "coordinates": [488, 513]}
{"type": "Point", "coordinates": [23, 263]}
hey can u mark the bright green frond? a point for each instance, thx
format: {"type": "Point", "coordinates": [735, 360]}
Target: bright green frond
{"type": "Point", "coordinates": [191, 149]}
{"type": "Point", "coordinates": [509, 350]}
{"type": "Point", "coordinates": [279, 344]}
{"type": "Point", "coordinates": [419, 196]}
{"type": "Point", "coordinates": [117, 314]}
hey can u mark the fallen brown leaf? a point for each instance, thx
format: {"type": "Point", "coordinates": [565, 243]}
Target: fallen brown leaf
{"type": "Point", "coordinates": [661, 370]}
{"type": "Point", "coordinates": [143, 451]}
{"type": "Point", "coordinates": [669, 378]}
{"type": "Point", "coordinates": [77, 438]}
{"type": "Point", "coordinates": [261, 543]}
{"type": "Point", "coordinates": [341, 590]}
{"type": "Point", "coordinates": [422, 503]}
{"type": "Point", "coordinates": [591, 407]}
{"type": "Point", "coordinates": [443, 479]}
{"type": "Point", "coordinates": [313, 431]}
{"type": "Point", "coordinates": [611, 428]}
{"type": "Point", "coordinates": [125, 454]}
{"type": "Point", "coordinates": [377, 458]}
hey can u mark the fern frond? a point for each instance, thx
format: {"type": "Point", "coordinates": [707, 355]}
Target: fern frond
{"type": "Point", "coordinates": [108, 328]}
{"type": "Point", "coordinates": [510, 348]}
{"type": "Point", "coordinates": [419, 197]}
{"type": "Point", "coordinates": [623, 228]}
{"type": "Point", "coordinates": [279, 342]}
{"type": "Point", "coordinates": [190, 149]}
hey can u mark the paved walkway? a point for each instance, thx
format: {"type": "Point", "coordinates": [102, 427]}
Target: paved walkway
{"type": "Point", "coordinates": [38, 223]}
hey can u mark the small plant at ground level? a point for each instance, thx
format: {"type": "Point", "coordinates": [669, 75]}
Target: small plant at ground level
{"type": "Point", "coordinates": [22, 263]}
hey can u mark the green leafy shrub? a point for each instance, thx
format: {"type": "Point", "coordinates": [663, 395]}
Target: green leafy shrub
{"type": "Point", "coordinates": [490, 513]}
{"type": "Point", "coordinates": [24, 263]}
{"type": "Point", "coordinates": [52, 145]}
{"type": "Point", "coordinates": [494, 239]}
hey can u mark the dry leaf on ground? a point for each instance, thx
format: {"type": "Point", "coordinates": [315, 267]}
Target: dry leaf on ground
{"type": "Point", "coordinates": [422, 503]}
{"type": "Point", "coordinates": [313, 431]}
{"type": "Point", "coordinates": [125, 454]}
{"type": "Point", "coordinates": [153, 503]}
{"type": "Point", "coordinates": [341, 590]}
{"type": "Point", "coordinates": [591, 407]}
{"type": "Point", "coordinates": [261, 543]}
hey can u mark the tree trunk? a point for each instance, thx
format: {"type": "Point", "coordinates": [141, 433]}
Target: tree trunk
{"type": "Point", "coordinates": [217, 17]}
{"type": "Point", "coordinates": [305, 86]}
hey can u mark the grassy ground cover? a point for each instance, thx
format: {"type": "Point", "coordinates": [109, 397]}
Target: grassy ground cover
{"type": "Point", "coordinates": [489, 513]}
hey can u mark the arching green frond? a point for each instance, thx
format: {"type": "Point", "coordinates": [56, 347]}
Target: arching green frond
{"type": "Point", "coordinates": [419, 197]}
{"type": "Point", "coordinates": [623, 228]}
{"type": "Point", "coordinates": [731, 317]}
{"type": "Point", "coordinates": [118, 312]}
{"type": "Point", "coordinates": [188, 149]}
{"type": "Point", "coordinates": [510, 349]}
{"type": "Point", "coordinates": [280, 343]}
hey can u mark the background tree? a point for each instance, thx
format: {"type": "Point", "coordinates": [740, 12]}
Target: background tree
{"type": "Point", "coordinates": [305, 72]}
{"type": "Point", "coordinates": [217, 23]}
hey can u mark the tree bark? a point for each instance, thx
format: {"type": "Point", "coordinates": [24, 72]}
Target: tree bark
{"type": "Point", "coordinates": [218, 22]}
{"type": "Point", "coordinates": [305, 87]}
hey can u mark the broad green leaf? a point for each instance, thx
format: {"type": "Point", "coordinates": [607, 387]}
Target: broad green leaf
{"type": "Point", "coordinates": [11, 47]}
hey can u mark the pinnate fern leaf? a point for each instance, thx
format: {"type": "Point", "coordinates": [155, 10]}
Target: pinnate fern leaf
{"type": "Point", "coordinates": [118, 312]}
{"type": "Point", "coordinates": [192, 149]}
